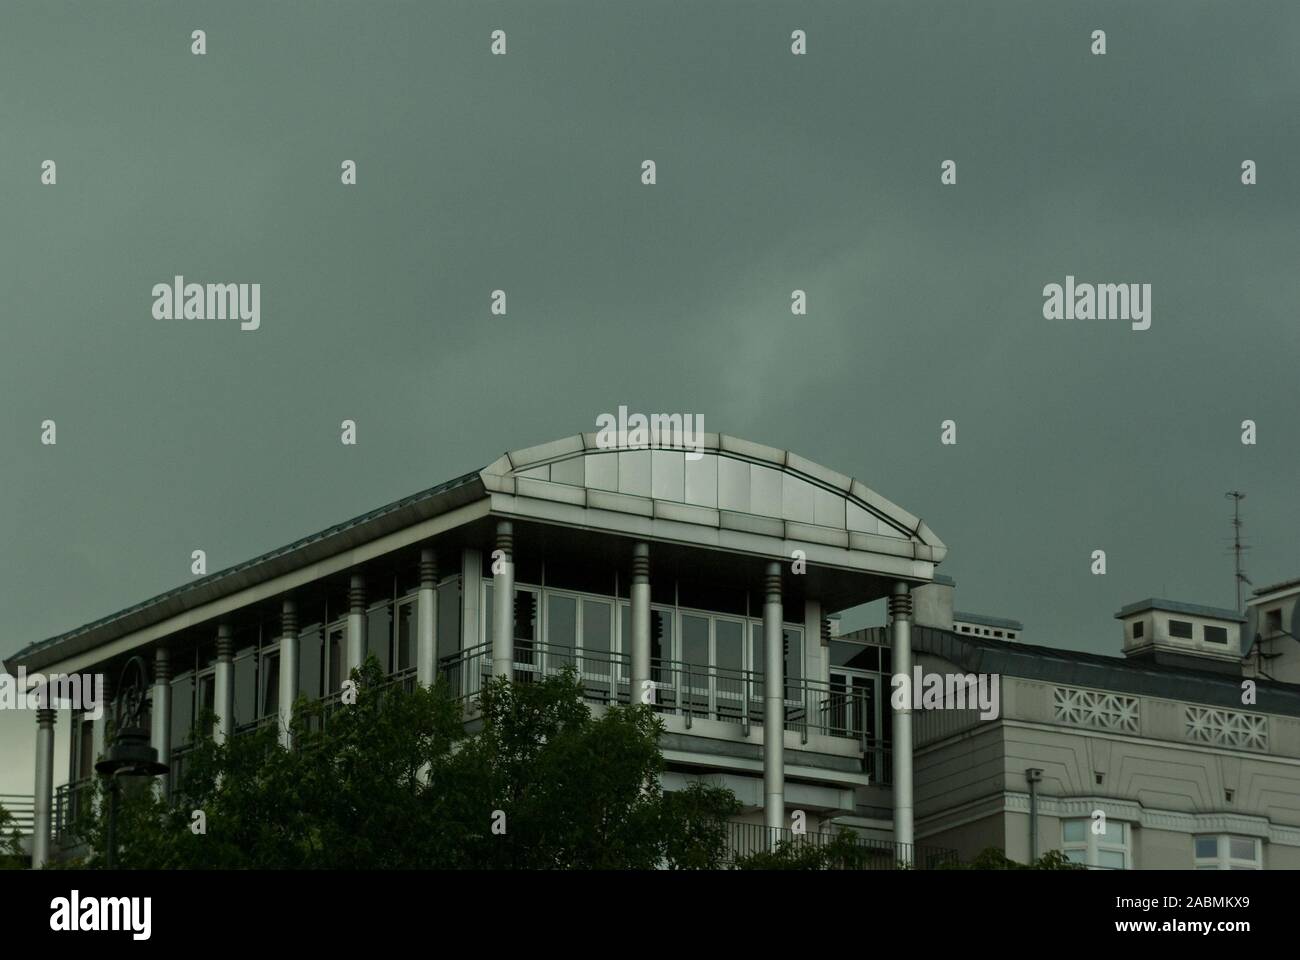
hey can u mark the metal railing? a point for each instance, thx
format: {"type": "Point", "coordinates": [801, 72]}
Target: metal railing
{"type": "Point", "coordinates": [71, 800]}
{"type": "Point", "coordinates": [22, 807]}
{"type": "Point", "coordinates": [851, 853]}
{"type": "Point", "coordinates": [692, 691]}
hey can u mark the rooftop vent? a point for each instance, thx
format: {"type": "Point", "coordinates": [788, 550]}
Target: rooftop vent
{"type": "Point", "coordinates": [1183, 634]}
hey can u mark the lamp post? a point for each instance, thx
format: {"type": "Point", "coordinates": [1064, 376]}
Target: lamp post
{"type": "Point", "coordinates": [130, 755]}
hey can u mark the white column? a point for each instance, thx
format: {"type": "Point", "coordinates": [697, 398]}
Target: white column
{"type": "Point", "coordinates": [288, 668]}
{"type": "Point", "coordinates": [426, 619]}
{"type": "Point", "coordinates": [161, 714]}
{"type": "Point", "coordinates": [773, 700]}
{"type": "Point", "coordinates": [43, 801]}
{"type": "Point", "coordinates": [639, 690]}
{"type": "Point", "coordinates": [356, 622]}
{"type": "Point", "coordinates": [224, 685]}
{"type": "Point", "coordinates": [900, 607]}
{"type": "Point", "coordinates": [503, 600]}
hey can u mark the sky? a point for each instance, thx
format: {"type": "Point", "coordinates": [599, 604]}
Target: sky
{"type": "Point", "coordinates": [523, 173]}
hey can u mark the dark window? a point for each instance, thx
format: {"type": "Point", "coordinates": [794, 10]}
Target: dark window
{"type": "Point", "coordinates": [379, 635]}
{"type": "Point", "coordinates": [311, 653]}
{"type": "Point", "coordinates": [1273, 621]}
{"type": "Point", "coordinates": [997, 633]}
{"type": "Point", "coordinates": [859, 656]}
{"type": "Point", "coordinates": [1138, 628]}
{"type": "Point", "coordinates": [1180, 628]}
{"type": "Point", "coordinates": [449, 618]}
{"type": "Point", "coordinates": [405, 636]}
{"type": "Point", "coordinates": [1216, 634]}
{"type": "Point", "coordinates": [182, 709]}
{"type": "Point", "coordinates": [245, 686]}
{"type": "Point", "coordinates": [1011, 636]}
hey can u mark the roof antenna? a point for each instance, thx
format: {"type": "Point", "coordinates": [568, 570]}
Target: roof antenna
{"type": "Point", "coordinates": [1238, 548]}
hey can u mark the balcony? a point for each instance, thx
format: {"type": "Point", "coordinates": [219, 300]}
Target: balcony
{"type": "Point", "coordinates": [862, 853]}
{"type": "Point", "coordinates": [693, 692]}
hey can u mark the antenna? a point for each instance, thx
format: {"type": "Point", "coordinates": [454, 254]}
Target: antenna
{"type": "Point", "coordinates": [1238, 548]}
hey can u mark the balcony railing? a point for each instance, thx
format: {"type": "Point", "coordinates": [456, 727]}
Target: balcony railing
{"type": "Point", "coordinates": [22, 807]}
{"type": "Point", "coordinates": [860, 853]}
{"type": "Point", "coordinates": [691, 691]}
{"type": "Point", "coordinates": [71, 800]}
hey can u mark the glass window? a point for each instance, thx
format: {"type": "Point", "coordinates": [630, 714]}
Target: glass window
{"type": "Point", "coordinates": [379, 635]}
{"type": "Point", "coordinates": [561, 629]}
{"type": "Point", "coordinates": [1242, 848]}
{"type": "Point", "coordinates": [311, 656]}
{"type": "Point", "coordinates": [270, 684]}
{"type": "Point", "coordinates": [1207, 847]}
{"type": "Point", "coordinates": [182, 709]}
{"type": "Point", "coordinates": [245, 686]}
{"type": "Point", "coordinates": [336, 653]}
{"type": "Point", "coordinates": [596, 630]}
{"type": "Point", "coordinates": [1074, 831]}
{"type": "Point", "coordinates": [1138, 628]}
{"type": "Point", "coordinates": [1180, 628]}
{"type": "Point", "coordinates": [730, 642]}
{"type": "Point", "coordinates": [449, 617]}
{"type": "Point", "coordinates": [1216, 634]}
{"type": "Point", "coordinates": [405, 636]}
{"type": "Point", "coordinates": [695, 643]}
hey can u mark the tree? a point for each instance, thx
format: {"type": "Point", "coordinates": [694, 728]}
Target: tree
{"type": "Point", "coordinates": [11, 848]}
{"type": "Point", "coordinates": [396, 780]}
{"type": "Point", "coordinates": [991, 858]}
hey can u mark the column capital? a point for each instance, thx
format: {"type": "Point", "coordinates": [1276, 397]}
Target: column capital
{"type": "Point", "coordinates": [288, 617]}
{"type": "Point", "coordinates": [356, 593]}
{"type": "Point", "coordinates": [428, 567]}
{"type": "Point", "coordinates": [505, 540]}
{"type": "Point", "coordinates": [641, 562]}
{"type": "Point", "coordinates": [900, 601]}
{"type": "Point", "coordinates": [772, 580]}
{"type": "Point", "coordinates": [46, 717]}
{"type": "Point", "coordinates": [162, 665]}
{"type": "Point", "coordinates": [225, 641]}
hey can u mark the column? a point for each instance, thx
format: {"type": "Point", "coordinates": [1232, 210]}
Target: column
{"type": "Point", "coordinates": [356, 622]}
{"type": "Point", "coordinates": [43, 801]}
{"type": "Point", "coordinates": [900, 608]}
{"type": "Point", "coordinates": [99, 725]}
{"type": "Point", "coordinates": [773, 700]}
{"type": "Point", "coordinates": [224, 684]}
{"type": "Point", "coordinates": [640, 691]}
{"type": "Point", "coordinates": [161, 715]}
{"type": "Point", "coordinates": [503, 600]}
{"type": "Point", "coordinates": [288, 668]}
{"type": "Point", "coordinates": [426, 619]}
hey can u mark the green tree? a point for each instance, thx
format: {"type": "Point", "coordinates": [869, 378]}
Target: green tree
{"type": "Point", "coordinates": [399, 780]}
{"type": "Point", "coordinates": [11, 848]}
{"type": "Point", "coordinates": [991, 858]}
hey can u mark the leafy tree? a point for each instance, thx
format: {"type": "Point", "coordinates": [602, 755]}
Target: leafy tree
{"type": "Point", "coordinates": [991, 858]}
{"type": "Point", "coordinates": [11, 848]}
{"type": "Point", "coordinates": [399, 780]}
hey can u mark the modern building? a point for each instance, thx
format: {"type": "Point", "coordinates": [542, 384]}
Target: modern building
{"type": "Point", "coordinates": [708, 581]}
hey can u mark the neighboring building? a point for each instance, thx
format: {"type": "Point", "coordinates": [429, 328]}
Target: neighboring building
{"type": "Point", "coordinates": [654, 570]}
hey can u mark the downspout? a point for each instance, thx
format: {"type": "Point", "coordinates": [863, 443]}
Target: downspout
{"type": "Point", "coordinates": [1035, 776]}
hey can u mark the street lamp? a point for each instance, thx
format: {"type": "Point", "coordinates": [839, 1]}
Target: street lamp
{"type": "Point", "coordinates": [130, 755]}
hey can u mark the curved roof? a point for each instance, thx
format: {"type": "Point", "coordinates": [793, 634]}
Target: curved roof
{"type": "Point", "coordinates": [721, 482]}
{"type": "Point", "coordinates": [736, 487]}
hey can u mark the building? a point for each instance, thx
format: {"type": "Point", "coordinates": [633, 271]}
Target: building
{"type": "Point", "coordinates": [709, 580]}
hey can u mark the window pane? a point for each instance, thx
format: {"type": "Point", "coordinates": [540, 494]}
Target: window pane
{"type": "Point", "coordinates": [449, 618]}
{"type": "Point", "coordinates": [1114, 832]}
{"type": "Point", "coordinates": [182, 710]}
{"type": "Point", "coordinates": [379, 635]}
{"type": "Point", "coordinates": [338, 659]}
{"type": "Point", "coordinates": [695, 643]}
{"type": "Point", "coordinates": [1073, 831]}
{"type": "Point", "coordinates": [207, 697]}
{"type": "Point", "coordinates": [1180, 628]}
{"type": "Point", "coordinates": [245, 688]}
{"type": "Point", "coordinates": [270, 684]}
{"type": "Point", "coordinates": [730, 639]}
{"type": "Point", "coordinates": [1241, 848]}
{"type": "Point", "coordinates": [1207, 848]}
{"type": "Point", "coordinates": [1110, 858]}
{"type": "Point", "coordinates": [405, 636]}
{"type": "Point", "coordinates": [596, 636]}
{"type": "Point", "coordinates": [561, 629]}
{"type": "Point", "coordinates": [311, 653]}
{"type": "Point", "coordinates": [1074, 856]}
{"type": "Point", "coordinates": [487, 614]}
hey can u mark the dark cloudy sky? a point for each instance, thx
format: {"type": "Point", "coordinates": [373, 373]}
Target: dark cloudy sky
{"type": "Point", "coordinates": [775, 172]}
